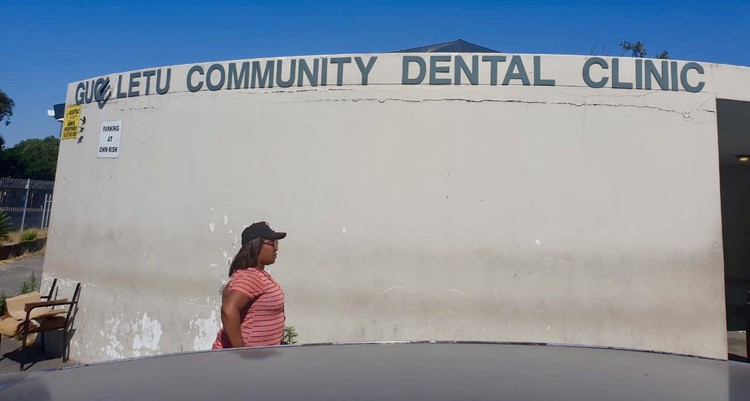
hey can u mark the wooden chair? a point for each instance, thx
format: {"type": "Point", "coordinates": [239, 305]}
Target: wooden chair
{"type": "Point", "coordinates": [41, 316]}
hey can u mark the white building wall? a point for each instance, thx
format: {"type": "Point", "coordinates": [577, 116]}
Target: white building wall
{"type": "Point", "coordinates": [560, 214]}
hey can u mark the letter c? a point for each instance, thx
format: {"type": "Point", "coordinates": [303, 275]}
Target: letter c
{"type": "Point", "coordinates": [587, 72]}
{"type": "Point", "coordinates": [191, 87]}
{"type": "Point", "coordinates": [684, 77]}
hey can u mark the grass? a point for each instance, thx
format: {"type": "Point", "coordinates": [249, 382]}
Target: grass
{"type": "Point", "coordinates": [31, 285]}
{"type": "Point", "coordinates": [17, 236]}
{"type": "Point", "coordinates": [30, 234]}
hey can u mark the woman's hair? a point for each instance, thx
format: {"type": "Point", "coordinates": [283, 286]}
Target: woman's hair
{"type": "Point", "coordinates": [247, 256]}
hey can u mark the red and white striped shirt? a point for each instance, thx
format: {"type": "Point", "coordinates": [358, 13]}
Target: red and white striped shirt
{"type": "Point", "coordinates": [263, 320]}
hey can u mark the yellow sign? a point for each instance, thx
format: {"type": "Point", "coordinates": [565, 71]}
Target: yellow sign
{"type": "Point", "coordinates": [71, 122]}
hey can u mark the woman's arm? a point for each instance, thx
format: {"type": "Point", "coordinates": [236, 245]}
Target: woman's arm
{"type": "Point", "coordinates": [234, 302]}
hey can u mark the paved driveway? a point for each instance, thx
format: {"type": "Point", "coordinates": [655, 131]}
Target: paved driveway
{"type": "Point", "coordinates": [14, 272]}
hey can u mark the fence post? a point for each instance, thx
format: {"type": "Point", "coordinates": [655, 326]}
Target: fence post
{"type": "Point", "coordinates": [25, 201]}
{"type": "Point", "coordinates": [44, 210]}
{"type": "Point", "coordinates": [49, 210]}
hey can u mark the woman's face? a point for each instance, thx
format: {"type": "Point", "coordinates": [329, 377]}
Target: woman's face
{"type": "Point", "coordinates": [268, 252]}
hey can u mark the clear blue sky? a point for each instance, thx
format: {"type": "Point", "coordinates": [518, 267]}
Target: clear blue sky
{"type": "Point", "coordinates": [50, 44]}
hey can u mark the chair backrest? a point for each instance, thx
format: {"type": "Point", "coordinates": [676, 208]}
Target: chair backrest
{"type": "Point", "coordinates": [76, 294]}
{"type": "Point", "coordinates": [73, 302]}
{"type": "Point", "coordinates": [51, 292]}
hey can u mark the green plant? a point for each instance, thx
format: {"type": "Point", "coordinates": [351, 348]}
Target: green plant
{"type": "Point", "coordinates": [30, 235]}
{"type": "Point", "coordinates": [29, 286]}
{"type": "Point", "coordinates": [4, 226]}
{"type": "Point", "coordinates": [3, 308]}
{"type": "Point", "coordinates": [290, 335]}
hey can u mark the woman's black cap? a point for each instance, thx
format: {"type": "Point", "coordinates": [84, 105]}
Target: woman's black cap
{"type": "Point", "coordinates": [260, 229]}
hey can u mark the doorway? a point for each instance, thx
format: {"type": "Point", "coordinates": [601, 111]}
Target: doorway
{"type": "Point", "coordinates": [733, 119]}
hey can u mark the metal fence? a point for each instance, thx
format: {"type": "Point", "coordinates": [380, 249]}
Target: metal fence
{"type": "Point", "coordinates": [27, 202]}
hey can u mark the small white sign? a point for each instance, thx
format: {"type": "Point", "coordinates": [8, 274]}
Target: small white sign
{"type": "Point", "coordinates": [109, 139]}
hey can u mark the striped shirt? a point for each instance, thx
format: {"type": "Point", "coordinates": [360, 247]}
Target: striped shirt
{"type": "Point", "coordinates": [263, 319]}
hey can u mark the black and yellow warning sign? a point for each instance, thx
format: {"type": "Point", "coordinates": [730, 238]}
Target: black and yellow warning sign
{"type": "Point", "coordinates": [71, 122]}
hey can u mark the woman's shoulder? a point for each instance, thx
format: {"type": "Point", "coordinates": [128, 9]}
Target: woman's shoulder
{"type": "Point", "coordinates": [248, 282]}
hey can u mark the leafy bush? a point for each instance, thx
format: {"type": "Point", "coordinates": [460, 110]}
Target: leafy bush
{"type": "Point", "coordinates": [29, 235]}
{"type": "Point", "coordinates": [4, 226]}
{"type": "Point", "coordinates": [290, 335]}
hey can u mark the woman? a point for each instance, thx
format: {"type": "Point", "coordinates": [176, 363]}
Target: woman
{"type": "Point", "coordinates": [252, 303]}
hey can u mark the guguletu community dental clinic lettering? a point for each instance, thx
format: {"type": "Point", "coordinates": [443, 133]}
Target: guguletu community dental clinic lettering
{"type": "Point", "coordinates": [502, 70]}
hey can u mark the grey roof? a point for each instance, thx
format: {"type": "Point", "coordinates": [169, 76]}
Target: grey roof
{"type": "Point", "coordinates": [457, 46]}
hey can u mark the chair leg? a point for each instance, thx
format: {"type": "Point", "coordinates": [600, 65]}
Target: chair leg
{"type": "Point", "coordinates": [65, 345]}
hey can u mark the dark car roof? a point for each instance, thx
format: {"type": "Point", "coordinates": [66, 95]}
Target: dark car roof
{"type": "Point", "coordinates": [393, 371]}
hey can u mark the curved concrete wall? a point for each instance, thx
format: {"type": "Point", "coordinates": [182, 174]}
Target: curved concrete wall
{"type": "Point", "coordinates": [550, 212]}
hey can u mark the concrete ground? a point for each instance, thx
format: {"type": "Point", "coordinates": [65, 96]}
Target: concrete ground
{"type": "Point", "coordinates": [14, 272]}
{"type": "Point", "coordinates": [736, 341]}
{"type": "Point", "coordinates": [11, 357]}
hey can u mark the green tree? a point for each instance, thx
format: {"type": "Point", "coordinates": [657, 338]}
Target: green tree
{"type": "Point", "coordinates": [5, 160]}
{"type": "Point", "coordinates": [6, 107]}
{"type": "Point", "coordinates": [33, 158]}
{"type": "Point", "coordinates": [6, 110]}
{"type": "Point", "coordinates": [638, 49]}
